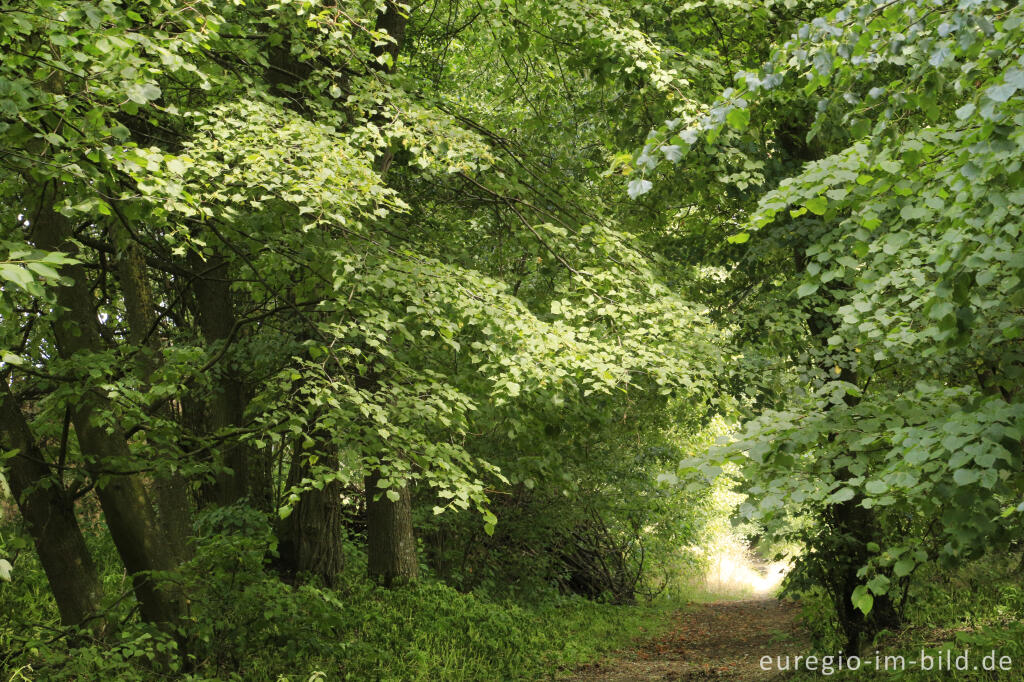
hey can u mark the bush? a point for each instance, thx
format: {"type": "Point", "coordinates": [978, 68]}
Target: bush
{"type": "Point", "coordinates": [244, 623]}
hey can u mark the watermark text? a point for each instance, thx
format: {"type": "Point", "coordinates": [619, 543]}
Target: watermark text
{"type": "Point", "coordinates": [935, 661]}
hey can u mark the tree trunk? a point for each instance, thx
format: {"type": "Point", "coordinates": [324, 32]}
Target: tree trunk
{"type": "Point", "coordinates": [129, 513]}
{"type": "Point", "coordinates": [171, 490]}
{"type": "Point", "coordinates": [226, 407]}
{"type": "Point", "coordinates": [853, 527]}
{"type": "Point", "coordinates": [49, 515]}
{"type": "Point", "coordinates": [393, 20]}
{"type": "Point", "coordinates": [390, 544]}
{"type": "Point", "coordinates": [261, 479]}
{"type": "Point", "coordinates": [310, 538]}
{"type": "Point", "coordinates": [850, 527]}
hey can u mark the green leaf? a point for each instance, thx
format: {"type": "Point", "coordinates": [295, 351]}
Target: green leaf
{"type": "Point", "coordinates": [965, 111]}
{"type": "Point", "coordinates": [393, 495]}
{"type": "Point", "coordinates": [817, 205]}
{"type": "Point", "coordinates": [639, 187]}
{"type": "Point", "coordinates": [806, 289]}
{"type": "Point", "coordinates": [841, 495]}
{"type": "Point", "coordinates": [1001, 92]}
{"type": "Point", "coordinates": [862, 599]}
{"type": "Point", "coordinates": [142, 93]}
{"type": "Point", "coordinates": [738, 118]}
{"type": "Point", "coordinates": [43, 270]}
{"type": "Point", "coordinates": [16, 274]}
{"type": "Point", "coordinates": [903, 567]}
{"type": "Point", "coordinates": [879, 584]}
{"type": "Point", "coordinates": [911, 212]}
{"type": "Point", "coordinates": [875, 487]}
{"type": "Point", "coordinates": [966, 476]}
{"type": "Point", "coordinates": [490, 521]}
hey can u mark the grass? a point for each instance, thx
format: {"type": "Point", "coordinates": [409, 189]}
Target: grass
{"type": "Point", "coordinates": [252, 627]}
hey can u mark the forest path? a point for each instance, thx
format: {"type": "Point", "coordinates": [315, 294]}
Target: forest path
{"type": "Point", "coordinates": [718, 640]}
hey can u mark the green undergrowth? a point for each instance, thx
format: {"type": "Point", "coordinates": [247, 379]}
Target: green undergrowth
{"type": "Point", "coordinates": [246, 624]}
{"type": "Point", "coordinates": [965, 624]}
{"type": "Point", "coordinates": [424, 632]}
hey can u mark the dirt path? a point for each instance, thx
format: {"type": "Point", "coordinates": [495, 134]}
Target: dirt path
{"type": "Point", "coordinates": [720, 640]}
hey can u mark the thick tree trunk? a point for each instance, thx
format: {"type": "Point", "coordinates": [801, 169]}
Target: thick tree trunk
{"type": "Point", "coordinates": [850, 527]}
{"type": "Point", "coordinates": [853, 528]}
{"type": "Point", "coordinates": [170, 490]}
{"type": "Point", "coordinates": [49, 515]}
{"type": "Point", "coordinates": [393, 20]}
{"type": "Point", "coordinates": [310, 538]}
{"type": "Point", "coordinates": [226, 407]}
{"type": "Point", "coordinates": [261, 479]}
{"type": "Point", "coordinates": [130, 516]}
{"type": "Point", "coordinates": [390, 543]}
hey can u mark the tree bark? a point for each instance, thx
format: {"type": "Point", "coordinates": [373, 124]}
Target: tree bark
{"type": "Point", "coordinates": [393, 20]}
{"type": "Point", "coordinates": [130, 516]}
{"type": "Point", "coordinates": [390, 543]}
{"type": "Point", "coordinates": [49, 515]}
{"type": "Point", "coordinates": [171, 490]}
{"type": "Point", "coordinates": [226, 407]}
{"type": "Point", "coordinates": [310, 538]}
{"type": "Point", "coordinates": [850, 527]}
{"type": "Point", "coordinates": [847, 526]}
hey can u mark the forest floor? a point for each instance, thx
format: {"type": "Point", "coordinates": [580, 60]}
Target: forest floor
{"type": "Point", "coordinates": [716, 640]}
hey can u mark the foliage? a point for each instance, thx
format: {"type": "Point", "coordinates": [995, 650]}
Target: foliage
{"type": "Point", "coordinates": [246, 624]}
{"type": "Point", "coordinates": [611, 528]}
{"type": "Point", "coordinates": [294, 260]}
{"type": "Point", "coordinates": [907, 273]}
{"type": "Point", "coordinates": [976, 607]}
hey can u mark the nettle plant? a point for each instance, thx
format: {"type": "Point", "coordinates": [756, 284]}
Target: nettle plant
{"type": "Point", "coordinates": [907, 232]}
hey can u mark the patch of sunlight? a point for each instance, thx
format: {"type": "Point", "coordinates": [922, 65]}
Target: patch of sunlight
{"type": "Point", "coordinates": [733, 572]}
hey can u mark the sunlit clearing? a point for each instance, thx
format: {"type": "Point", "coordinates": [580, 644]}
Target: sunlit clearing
{"type": "Point", "coordinates": [733, 572]}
